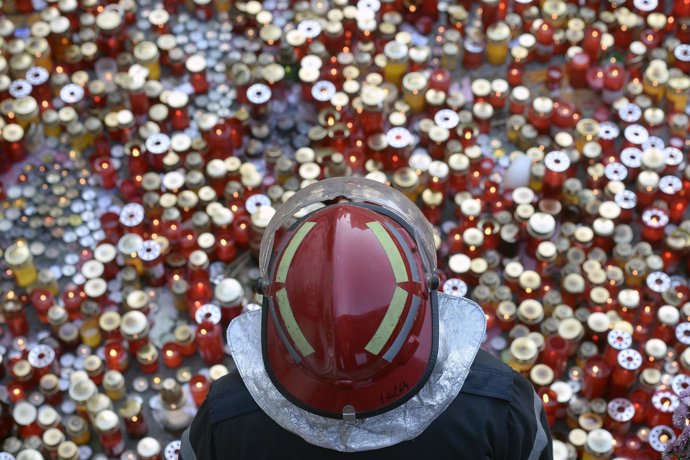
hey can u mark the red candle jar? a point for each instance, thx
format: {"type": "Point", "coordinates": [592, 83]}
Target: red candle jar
{"type": "Point", "coordinates": [179, 115]}
{"type": "Point", "coordinates": [596, 374]}
{"type": "Point", "coordinates": [539, 114]}
{"type": "Point", "coordinates": [474, 54]}
{"type": "Point", "coordinates": [16, 392]}
{"type": "Point", "coordinates": [26, 417]}
{"type": "Point", "coordinates": [682, 334]}
{"type": "Point", "coordinates": [654, 221]}
{"type": "Point", "coordinates": [625, 372]}
{"type": "Point", "coordinates": [661, 407]}
{"type": "Point", "coordinates": [94, 367]}
{"type": "Point", "coordinates": [42, 300]}
{"type": "Point", "coordinates": [147, 356]}
{"type": "Point", "coordinates": [620, 413]}
{"type": "Point", "coordinates": [555, 354]}
{"type": "Point", "coordinates": [172, 355]}
{"type": "Point", "coordinates": [116, 357]}
{"type": "Point", "coordinates": [259, 95]}
{"type": "Point", "coordinates": [109, 323]}
{"type": "Point", "coordinates": [132, 414]}
{"type": "Point", "coordinates": [150, 254]}
{"type": "Point", "coordinates": [107, 425]}
{"type": "Point", "coordinates": [135, 329]}
{"type": "Point", "coordinates": [616, 340]}
{"type": "Point", "coordinates": [591, 43]}
{"type": "Point", "coordinates": [668, 317]}
{"type": "Point", "coordinates": [184, 338]}
{"type": "Point", "coordinates": [199, 387]}
{"type": "Point", "coordinates": [106, 171]}
{"type": "Point", "coordinates": [225, 250]}
{"type": "Point", "coordinates": [440, 80]}
{"type": "Point", "coordinates": [14, 311]}
{"type": "Point", "coordinates": [577, 68]}
{"type": "Point", "coordinates": [42, 360]}
{"type": "Point", "coordinates": [229, 294]}
{"type": "Point", "coordinates": [196, 66]}
{"type": "Point", "coordinates": [557, 164]}
{"type": "Point", "coordinates": [13, 143]}
{"type": "Point", "coordinates": [549, 399]}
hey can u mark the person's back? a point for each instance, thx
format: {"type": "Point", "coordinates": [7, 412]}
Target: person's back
{"type": "Point", "coordinates": [356, 353]}
{"type": "Point", "coordinates": [495, 416]}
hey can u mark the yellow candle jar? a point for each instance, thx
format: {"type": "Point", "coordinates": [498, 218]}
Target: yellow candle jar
{"type": "Point", "coordinates": [677, 91]}
{"type": "Point", "coordinates": [498, 36]}
{"type": "Point", "coordinates": [20, 261]}
{"type": "Point", "coordinates": [147, 55]}
{"type": "Point", "coordinates": [396, 62]}
{"type": "Point", "coordinates": [655, 78]}
{"type": "Point", "coordinates": [523, 354]}
{"type": "Point", "coordinates": [414, 91]}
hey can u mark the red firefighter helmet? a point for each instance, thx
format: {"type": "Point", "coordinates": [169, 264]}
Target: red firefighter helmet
{"type": "Point", "coordinates": [350, 326]}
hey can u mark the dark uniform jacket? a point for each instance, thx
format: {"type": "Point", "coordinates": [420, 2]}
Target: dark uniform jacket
{"type": "Point", "coordinates": [496, 415]}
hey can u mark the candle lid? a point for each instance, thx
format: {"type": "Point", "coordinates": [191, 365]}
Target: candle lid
{"type": "Point", "coordinates": [217, 371]}
{"type": "Point", "coordinates": [679, 383]}
{"type": "Point", "coordinates": [541, 375]}
{"type": "Point", "coordinates": [208, 313]}
{"type": "Point", "coordinates": [629, 359]}
{"type": "Point", "coordinates": [82, 390]}
{"type": "Point", "coordinates": [24, 414]}
{"type": "Point", "coordinates": [577, 437]}
{"type": "Point", "coordinates": [660, 436]}
{"type": "Point", "coordinates": [564, 392]}
{"type": "Point", "coordinates": [658, 282]}
{"type": "Point", "coordinates": [47, 416]}
{"type": "Point", "coordinates": [108, 20]}
{"type": "Point", "coordinates": [148, 447]}
{"type": "Point", "coordinates": [109, 321]}
{"type": "Point", "coordinates": [523, 350]}
{"type": "Point", "coordinates": [92, 364]}
{"type": "Point", "coordinates": [570, 329]}
{"type": "Point", "coordinates": [530, 311]}
{"type": "Point", "coordinates": [621, 410]}
{"type": "Point", "coordinates": [18, 253]}
{"type": "Point", "coordinates": [683, 333]}
{"type": "Point", "coordinates": [574, 283]}
{"type": "Point", "coordinates": [21, 369]}
{"type": "Point", "coordinates": [619, 339]}
{"type": "Point", "coordinates": [67, 449]}
{"type": "Point", "coordinates": [130, 408]}
{"type": "Point", "coordinates": [542, 224]}
{"type": "Point", "coordinates": [52, 437]}
{"type": "Point", "coordinates": [598, 322]}
{"type": "Point", "coordinates": [95, 288]}
{"type": "Point", "coordinates": [113, 379]}
{"type": "Point", "coordinates": [106, 420]}
{"type": "Point", "coordinates": [229, 291]}
{"type": "Point", "coordinates": [668, 315]}
{"type": "Point", "coordinates": [133, 323]}
{"type": "Point", "coordinates": [172, 395]}
{"type": "Point", "coordinates": [97, 403]}
{"type": "Point", "coordinates": [600, 441]}
{"type": "Point", "coordinates": [498, 32]}
{"type": "Point", "coordinates": [41, 356]}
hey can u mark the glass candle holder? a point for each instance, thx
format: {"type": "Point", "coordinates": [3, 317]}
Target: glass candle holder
{"type": "Point", "coordinates": [172, 355]}
{"type": "Point", "coordinates": [132, 413]}
{"type": "Point", "coordinates": [596, 373]}
{"type": "Point", "coordinates": [199, 387]}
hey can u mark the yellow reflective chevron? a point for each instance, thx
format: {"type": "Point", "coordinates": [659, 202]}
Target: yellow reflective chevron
{"type": "Point", "coordinates": [290, 251]}
{"type": "Point", "coordinates": [390, 320]}
{"type": "Point", "coordinates": [391, 251]}
{"type": "Point", "coordinates": [293, 328]}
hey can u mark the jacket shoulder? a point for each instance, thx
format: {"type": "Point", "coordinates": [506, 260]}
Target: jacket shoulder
{"type": "Point", "coordinates": [229, 398]}
{"type": "Point", "coordinates": [489, 377]}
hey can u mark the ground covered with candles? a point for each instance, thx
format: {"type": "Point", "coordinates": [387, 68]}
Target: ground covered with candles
{"type": "Point", "coordinates": [146, 145]}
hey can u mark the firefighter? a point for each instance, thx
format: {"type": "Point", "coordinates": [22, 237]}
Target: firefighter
{"type": "Point", "coordinates": [355, 354]}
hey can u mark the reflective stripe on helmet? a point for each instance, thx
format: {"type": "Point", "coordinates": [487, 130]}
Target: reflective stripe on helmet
{"type": "Point", "coordinates": [391, 251]}
{"type": "Point", "coordinates": [404, 332]}
{"type": "Point", "coordinates": [281, 276]}
{"type": "Point", "coordinates": [406, 249]}
{"type": "Point", "coordinates": [390, 320]}
{"type": "Point", "coordinates": [293, 329]}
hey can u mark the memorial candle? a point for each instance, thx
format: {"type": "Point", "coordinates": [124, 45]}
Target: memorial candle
{"type": "Point", "coordinates": [596, 378]}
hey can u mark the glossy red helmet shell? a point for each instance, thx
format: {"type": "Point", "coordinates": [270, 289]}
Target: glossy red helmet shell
{"type": "Point", "coordinates": [349, 321]}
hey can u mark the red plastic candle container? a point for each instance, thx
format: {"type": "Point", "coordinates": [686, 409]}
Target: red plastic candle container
{"type": "Point", "coordinates": [620, 413]}
{"type": "Point", "coordinates": [172, 355]}
{"type": "Point", "coordinates": [654, 221]}
{"type": "Point", "coordinates": [132, 415]}
{"type": "Point", "coordinates": [42, 300]}
{"type": "Point", "coordinates": [199, 387]}
{"type": "Point", "coordinates": [616, 340]}
{"type": "Point", "coordinates": [15, 316]}
{"type": "Point", "coordinates": [660, 408]}
{"type": "Point", "coordinates": [577, 70]}
{"type": "Point", "coordinates": [555, 354]}
{"type": "Point", "coordinates": [116, 357]}
{"type": "Point", "coordinates": [107, 425]}
{"type": "Point", "coordinates": [596, 373]}
{"type": "Point", "coordinates": [625, 372]}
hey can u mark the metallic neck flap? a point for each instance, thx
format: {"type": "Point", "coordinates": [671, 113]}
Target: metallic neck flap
{"type": "Point", "coordinates": [462, 326]}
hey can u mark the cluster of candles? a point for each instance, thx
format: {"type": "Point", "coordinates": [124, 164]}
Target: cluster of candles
{"type": "Point", "coordinates": [546, 143]}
